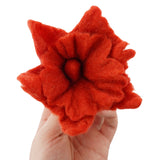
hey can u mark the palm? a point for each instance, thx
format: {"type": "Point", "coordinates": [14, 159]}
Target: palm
{"type": "Point", "coordinates": [92, 145]}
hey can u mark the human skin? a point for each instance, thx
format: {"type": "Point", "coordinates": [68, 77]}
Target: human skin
{"type": "Point", "coordinates": [50, 143]}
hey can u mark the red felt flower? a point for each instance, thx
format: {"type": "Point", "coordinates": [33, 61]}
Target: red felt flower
{"type": "Point", "coordinates": [81, 72]}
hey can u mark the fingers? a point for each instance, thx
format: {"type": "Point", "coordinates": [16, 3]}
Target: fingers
{"type": "Point", "coordinates": [109, 126]}
{"type": "Point", "coordinates": [52, 126]}
{"type": "Point", "coordinates": [49, 128]}
{"type": "Point", "coordinates": [98, 122]}
{"type": "Point", "coordinates": [105, 122]}
{"type": "Point", "coordinates": [49, 124]}
{"type": "Point", "coordinates": [46, 113]}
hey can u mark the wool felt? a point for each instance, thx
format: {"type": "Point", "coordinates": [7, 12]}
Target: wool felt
{"type": "Point", "coordinates": [81, 72]}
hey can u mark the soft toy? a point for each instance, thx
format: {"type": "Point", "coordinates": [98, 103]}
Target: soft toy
{"type": "Point", "coordinates": [81, 72]}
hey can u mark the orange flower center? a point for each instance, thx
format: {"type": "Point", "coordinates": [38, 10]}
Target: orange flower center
{"type": "Point", "coordinates": [72, 69]}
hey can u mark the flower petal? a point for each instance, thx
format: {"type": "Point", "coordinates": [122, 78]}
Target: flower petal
{"type": "Point", "coordinates": [69, 126]}
{"type": "Point", "coordinates": [54, 84]}
{"type": "Point", "coordinates": [77, 45]}
{"type": "Point", "coordinates": [99, 53]}
{"type": "Point", "coordinates": [74, 128]}
{"type": "Point", "coordinates": [65, 99]}
{"type": "Point", "coordinates": [122, 55]}
{"type": "Point", "coordinates": [44, 36]}
{"type": "Point", "coordinates": [92, 22]}
{"type": "Point", "coordinates": [86, 43]}
{"type": "Point", "coordinates": [52, 58]}
{"type": "Point", "coordinates": [66, 46]}
{"type": "Point", "coordinates": [105, 98]}
{"type": "Point", "coordinates": [109, 69]}
{"type": "Point", "coordinates": [119, 82]}
{"type": "Point", "coordinates": [126, 55]}
{"type": "Point", "coordinates": [57, 110]}
{"type": "Point", "coordinates": [81, 102]}
{"type": "Point", "coordinates": [131, 99]}
{"type": "Point", "coordinates": [97, 58]}
{"type": "Point", "coordinates": [113, 86]}
{"type": "Point", "coordinates": [117, 49]}
{"type": "Point", "coordinates": [31, 83]}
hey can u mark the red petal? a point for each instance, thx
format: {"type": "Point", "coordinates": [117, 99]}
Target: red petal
{"type": "Point", "coordinates": [109, 69]}
{"type": "Point", "coordinates": [54, 84]}
{"type": "Point", "coordinates": [105, 98]}
{"type": "Point", "coordinates": [119, 52]}
{"type": "Point", "coordinates": [113, 86]}
{"type": "Point", "coordinates": [81, 102]}
{"type": "Point", "coordinates": [119, 82]}
{"type": "Point", "coordinates": [92, 22]}
{"type": "Point", "coordinates": [117, 49]}
{"type": "Point", "coordinates": [85, 44]}
{"type": "Point", "coordinates": [51, 58]}
{"type": "Point", "coordinates": [31, 83]}
{"type": "Point", "coordinates": [57, 110]}
{"type": "Point", "coordinates": [66, 46]}
{"type": "Point", "coordinates": [74, 128]}
{"type": "Point", "coordinates": [65, 99]}
{"type": "Point", "coordinates": [44, 35]}
{"type": "Point", "coordinates": [126, 55]}
{"type": "Point", "coordinates": [77, 45]}
{"type": "Point", "coordinates": [99, 53]}
{"type": "Point", "coordinates": [130, 101]}
{"type": "Point", "coordinates": [70, 127]}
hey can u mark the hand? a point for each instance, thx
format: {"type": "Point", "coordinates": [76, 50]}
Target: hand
{"type": "Point", "coordinates": [51, 144]}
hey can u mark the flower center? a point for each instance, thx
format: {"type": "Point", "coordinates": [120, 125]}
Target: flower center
{"type": "Point", "coordinates": [72, 69]}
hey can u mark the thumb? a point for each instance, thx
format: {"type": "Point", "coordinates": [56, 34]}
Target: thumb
{"type": "Point", "coordinates": [52, 129]}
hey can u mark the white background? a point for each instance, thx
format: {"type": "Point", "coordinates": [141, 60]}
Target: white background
{"type": "Point", "coordinates": [135, 21]}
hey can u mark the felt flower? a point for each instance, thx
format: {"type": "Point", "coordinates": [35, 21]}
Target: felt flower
{"type": "Point", "coordinates": [81, 72]}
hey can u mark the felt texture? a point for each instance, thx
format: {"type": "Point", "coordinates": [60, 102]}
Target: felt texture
{"type": "Point", "coordinates": [81, 72]}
